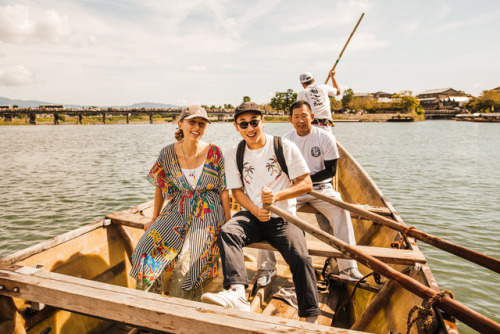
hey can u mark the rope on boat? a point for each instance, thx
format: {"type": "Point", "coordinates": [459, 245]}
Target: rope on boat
{"type": "Point", "coordinates": [401, 243]}
{"type": "Point", "coordinates": [376, 277]}
{"type": "Point", "coordinates": [425, 312]}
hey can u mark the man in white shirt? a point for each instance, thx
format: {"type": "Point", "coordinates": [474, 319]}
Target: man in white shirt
{"type": "Point", "coordinates": [319, 148]}
{"type": "Point", "coordinates": [264, 182]}
{"type": "Point", "coordinates": [317, 97]}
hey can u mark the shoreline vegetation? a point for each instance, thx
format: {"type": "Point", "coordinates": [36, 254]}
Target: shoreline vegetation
{"type": "Point", "coordinates": [159, 119]}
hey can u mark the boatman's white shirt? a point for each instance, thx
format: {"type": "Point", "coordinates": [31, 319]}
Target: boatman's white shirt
{"type": "Point", "coordinates": [261, 168]}
{"type": "Point", "coordinates": [317, 96]}
{"type": "Point", "coordinates": [316, 147]}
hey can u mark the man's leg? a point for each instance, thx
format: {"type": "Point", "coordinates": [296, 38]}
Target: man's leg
{"type": "Point", "coordinates": [289, 240]}
{"type": "Point", "coordinates": [266, 264]}
{"type": "Point", "coordinates": [241, 230]}
{"type": "Point", "coordinates": [340, 220]}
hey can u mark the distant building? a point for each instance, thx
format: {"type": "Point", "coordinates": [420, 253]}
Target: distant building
{"type": "Point", "coordinates": [443, 98]}
{"type": "Point", "coordinates": [383, 95]}
{"type": "Point", "coordinates": [363, 95]}
{"type": "Point", "coordinates": [5, 107]}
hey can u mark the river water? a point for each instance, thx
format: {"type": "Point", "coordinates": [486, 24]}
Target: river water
{"type": "Point", "coordinates": [443, 177]}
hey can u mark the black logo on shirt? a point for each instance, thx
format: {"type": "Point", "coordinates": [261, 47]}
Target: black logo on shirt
{"type": "Point", "coordinates": [315, 151]}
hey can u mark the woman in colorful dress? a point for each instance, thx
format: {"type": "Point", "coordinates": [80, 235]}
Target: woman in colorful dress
{"type": "Point", "coordinates": [189, 175]}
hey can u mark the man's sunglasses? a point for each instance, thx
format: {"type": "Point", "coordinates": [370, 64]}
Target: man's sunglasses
{"type": "Point", "coordinates": [254, 123]}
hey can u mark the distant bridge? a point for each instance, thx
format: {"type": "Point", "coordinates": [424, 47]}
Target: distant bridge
{"type": "Point", "coordinates": [219, 113]}
{"type": "Point", "coordinates": [442, 114]}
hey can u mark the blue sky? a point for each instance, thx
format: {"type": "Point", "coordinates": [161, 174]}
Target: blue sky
{"type": "Point", "coordinates": [95, 52]}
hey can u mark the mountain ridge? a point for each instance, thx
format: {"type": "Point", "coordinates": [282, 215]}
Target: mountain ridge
{"type": "Point", "coordinates": [35, 104]}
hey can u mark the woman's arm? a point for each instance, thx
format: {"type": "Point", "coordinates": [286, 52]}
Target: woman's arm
{"type": "Point", "coordinates": [225, 204]}
{"type": "Point", "coordinates": [157, 206]}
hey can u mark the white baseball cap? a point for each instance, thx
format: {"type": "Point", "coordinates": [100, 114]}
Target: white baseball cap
{"type": "Point", "coordinates": [306, 77]}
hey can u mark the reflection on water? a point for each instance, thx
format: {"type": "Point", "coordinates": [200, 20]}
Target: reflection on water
{"type": "Point", "coordinates": [442, 177]}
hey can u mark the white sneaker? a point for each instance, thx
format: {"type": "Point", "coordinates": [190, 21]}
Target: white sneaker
{"type": "Point", "coordinates": [265, 277]}
{"type": "Point", "coordinates": [351, 274]}
{"type": "Point", "coordinates": [228, 299]}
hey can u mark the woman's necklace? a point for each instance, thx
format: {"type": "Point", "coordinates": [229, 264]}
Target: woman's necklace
{"type": "Point", "coordinates": [193, 170]}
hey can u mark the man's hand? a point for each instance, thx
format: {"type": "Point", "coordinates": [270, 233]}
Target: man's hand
{"type": "Point", "coordinates": [263, 215]}
{"type": "Point", "coordinates": [268, 196]}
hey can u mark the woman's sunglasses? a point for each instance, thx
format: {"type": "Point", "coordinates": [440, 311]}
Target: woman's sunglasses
{"type": "Point", "coordinates": [254, 123]}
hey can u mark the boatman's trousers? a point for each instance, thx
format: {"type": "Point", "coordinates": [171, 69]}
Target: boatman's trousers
{"type": "Point", "coordinates": [340, 222]}
{"type": "Point", "coordinates": [244, 229]}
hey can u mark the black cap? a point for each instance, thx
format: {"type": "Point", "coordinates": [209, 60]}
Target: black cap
{"type": "Point", "coordinates": [247, 107]}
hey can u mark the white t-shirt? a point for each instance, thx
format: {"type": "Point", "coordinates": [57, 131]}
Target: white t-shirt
{"type": "Point", "coordinates": [261, 168]}
{"type": "Point", "coordinates": [317, 96]}
{"type": "Point", "coordinates": [316, 147]}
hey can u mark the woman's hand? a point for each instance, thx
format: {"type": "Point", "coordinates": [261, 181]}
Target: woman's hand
{"type": "Point", "coordinates": [148, 224]}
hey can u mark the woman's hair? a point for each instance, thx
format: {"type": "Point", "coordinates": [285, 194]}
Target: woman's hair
{"type": "Point", "coordinates": [179, 135]}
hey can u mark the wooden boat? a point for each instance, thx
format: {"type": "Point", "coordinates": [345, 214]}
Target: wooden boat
{"type": "Point", "coordinates": [78, 282]}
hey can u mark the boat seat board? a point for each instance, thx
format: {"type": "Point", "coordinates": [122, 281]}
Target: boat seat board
{"type": "Point", "coordinates": [316, 248]}
{"type": "Point", "coordinates": [139, 308]}
{"type": "Point", "coordinates": [387, 255]}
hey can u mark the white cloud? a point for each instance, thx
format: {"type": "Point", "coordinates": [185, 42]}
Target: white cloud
{"type": "Point", "coordinates": [197, 68]}
{"type": "Point", "coordinates": [22, 24]}
{"type": "Point", "coordinates": [15, 76]}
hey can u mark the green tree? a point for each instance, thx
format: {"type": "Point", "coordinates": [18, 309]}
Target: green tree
{"type": "Point", "coordinates": [407, 102]}
{"type": "Point", "coordinates": [283, 100]}
{"type": "Point", "coordinates": [488, 101]}
{"type": "Point", "coordinates": [246, 99]}
{"type": "Point", "coordinates": [347, 97]}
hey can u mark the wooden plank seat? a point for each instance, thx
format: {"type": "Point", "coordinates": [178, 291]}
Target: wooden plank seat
{"type": "Point", "coordinates": [140, 308]}
{"type": "Point", "coordinates": [387, 255]}
{"type": "Point", "coordinates": [316, 248]}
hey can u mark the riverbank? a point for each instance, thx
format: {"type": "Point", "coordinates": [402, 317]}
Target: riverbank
{"type": "Point", "coordinates": [158, 119]}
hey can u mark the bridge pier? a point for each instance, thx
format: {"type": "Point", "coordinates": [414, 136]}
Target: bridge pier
{"type": "Point", "coordinates": [128, 118]}
{"type": "Point", "coordinates": [33, 119]}
{"type": "Point", "coordinates": [56, 118]}
{"type": "Point", "coordinates": [80, 119]}
{"type": "Point", "coordinates": [151, 118]}
{"type": "Point", "coordinates": [104, 118]}
{"type": "Point", "coordinates": [7, 117]}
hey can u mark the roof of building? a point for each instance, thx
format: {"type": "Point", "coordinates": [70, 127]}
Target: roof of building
{"type": "Point", "coordinates": [363, 94]}
{"type": "Point", "coordinates": [437, 91]}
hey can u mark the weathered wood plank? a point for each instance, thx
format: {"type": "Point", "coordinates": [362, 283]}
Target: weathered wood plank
{"type": "Point", "coordinates": [387, 255]}
{"type": "Point", "coordinates": [140, 308]}
{"type": "Point", "coordinates": [128, 219]}
{"type": "Point", "coordinates": [316, 248]}
{"type": "Point", "coordinates": [23, 254]}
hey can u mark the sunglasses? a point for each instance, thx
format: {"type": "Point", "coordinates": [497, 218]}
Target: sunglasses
{"type": "Point", "coordinates": [254, 123]}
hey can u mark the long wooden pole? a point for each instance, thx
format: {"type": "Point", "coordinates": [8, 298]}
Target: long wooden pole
{"type": "Point", "coordinates": [463, 252]}
{"type": "Point", "coordinates": [470, 317]}
{"type": "Point", "coordinates": [342, 52]}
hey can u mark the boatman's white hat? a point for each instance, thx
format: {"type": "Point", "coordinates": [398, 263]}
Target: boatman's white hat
{"type": "Point", "coordinates": [306, 77]}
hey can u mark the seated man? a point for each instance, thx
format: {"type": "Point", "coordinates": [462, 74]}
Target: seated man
{"type": "Point", "coordinates": [319, 148]}
{"type": "Point", "coordinates": [264, 182]}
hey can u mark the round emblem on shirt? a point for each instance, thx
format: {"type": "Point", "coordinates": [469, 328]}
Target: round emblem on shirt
{"type": "Point", "coordinates": [315, 151]}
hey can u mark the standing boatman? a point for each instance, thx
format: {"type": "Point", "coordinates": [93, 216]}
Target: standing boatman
{"type": "Point", "coordinates": [318, 98]}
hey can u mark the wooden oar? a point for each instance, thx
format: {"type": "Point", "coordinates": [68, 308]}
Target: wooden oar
{"type": "Point", "coordinates": [470, 317]}
{"type": "Point", "coordinates": [342, 52]}
{"type": "Point", "coordinates": [463, 252]}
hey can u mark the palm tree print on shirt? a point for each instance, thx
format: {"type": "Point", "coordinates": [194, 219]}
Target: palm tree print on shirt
{"type": "Point", "coordinates": [273, 166]}
{"type": "Point", "coordinates": [247, 172]}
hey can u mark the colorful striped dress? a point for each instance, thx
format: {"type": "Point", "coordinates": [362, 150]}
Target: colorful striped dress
{"type": "Point", "coordinates": [198, 211]}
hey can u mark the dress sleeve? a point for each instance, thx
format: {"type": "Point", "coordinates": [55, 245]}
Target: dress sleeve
{"type": "Point", "coordinates": [157, 175]}
{"type": "Point", "coordinates": [221, 185]}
